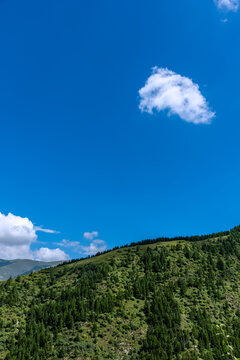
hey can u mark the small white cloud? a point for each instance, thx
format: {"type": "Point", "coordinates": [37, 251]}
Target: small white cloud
{"type": "Point", "coordinates": [166, 90]}
{"type": "Point", "coordinates": [94, 247]}
{"type": "Point", "coordinates": [228, 5]}
{"type": "Point", "coordinates": [99, 242]}
{"type": "Point", "coordinates": [68, 243]}
{"type": "Point", "coordinates": [90, 235]}
{"type": "Point", "coordinates": [46, 254]}
{"type": "Point", "coordinates": [48, 231]}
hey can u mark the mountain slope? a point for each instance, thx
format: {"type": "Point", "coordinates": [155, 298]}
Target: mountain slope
{"type": "Point", "coordinates": [161, 300]}
{"type": "Point", "coordinates": [14, 268]}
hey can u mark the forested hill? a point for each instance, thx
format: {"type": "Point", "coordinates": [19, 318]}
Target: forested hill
{"type": "Point", "coordinates": [174, 299]}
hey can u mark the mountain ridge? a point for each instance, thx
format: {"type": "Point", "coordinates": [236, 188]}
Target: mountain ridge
{"type": "Point", "coordinates": [18, 267]}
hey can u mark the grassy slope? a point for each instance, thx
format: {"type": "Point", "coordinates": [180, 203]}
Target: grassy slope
{"type": "Point", "coordinates": [121, 333]}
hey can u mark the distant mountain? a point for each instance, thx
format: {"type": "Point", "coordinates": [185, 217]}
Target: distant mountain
{"type": "Point", "coordinates": [13, 268]}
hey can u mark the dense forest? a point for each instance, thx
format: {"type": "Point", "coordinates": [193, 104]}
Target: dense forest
{"type": "Point", "coordinates": [158, 299]}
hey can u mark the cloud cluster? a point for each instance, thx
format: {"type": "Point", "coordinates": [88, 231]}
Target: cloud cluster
{"type": "Point", "coordinates": [166, 90]}
{"type": "Point", "coordinates": [46, 254]}
{"type": "Point", "coordinates": [228, 5]}
{"type": "Point", "coordinates": [96, 245]}
{"type": "Point", "coordinates": [17, 234]}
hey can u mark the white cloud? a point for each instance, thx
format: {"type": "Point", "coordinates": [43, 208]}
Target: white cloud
{"type": "Point", "coordinates": [166, 90]}
{"type": "Point", "coordinates": [48, 231]}
{"type": "Point", "coordinates": [94, 247]}
{"type": "Point", "coordinates": [229, 5]}
{"type": "Point", "coordinates": [46, 254]}
{"type": "Point", "coordinates": [17, 234]}
{"type": "Point", "coordinates": [68, 243]}
{"type": "Point", "coordinates": [90, 235]}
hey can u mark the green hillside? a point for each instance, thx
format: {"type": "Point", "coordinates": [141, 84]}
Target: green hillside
{"type": "Point", "coordinates": [159, 299]}
{"type": "Point", "coordinates": [13, 268]}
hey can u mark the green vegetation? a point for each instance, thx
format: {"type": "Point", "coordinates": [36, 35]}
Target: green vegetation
{"type": "Point", "coordinates": [161, 299]}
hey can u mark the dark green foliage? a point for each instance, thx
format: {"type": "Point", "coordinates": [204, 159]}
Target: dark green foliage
{"type": "Point", "coordinates": [164, 337]}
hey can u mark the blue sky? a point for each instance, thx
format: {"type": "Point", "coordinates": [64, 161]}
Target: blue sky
{"type": "Point", "coordinates": [77, 153]}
